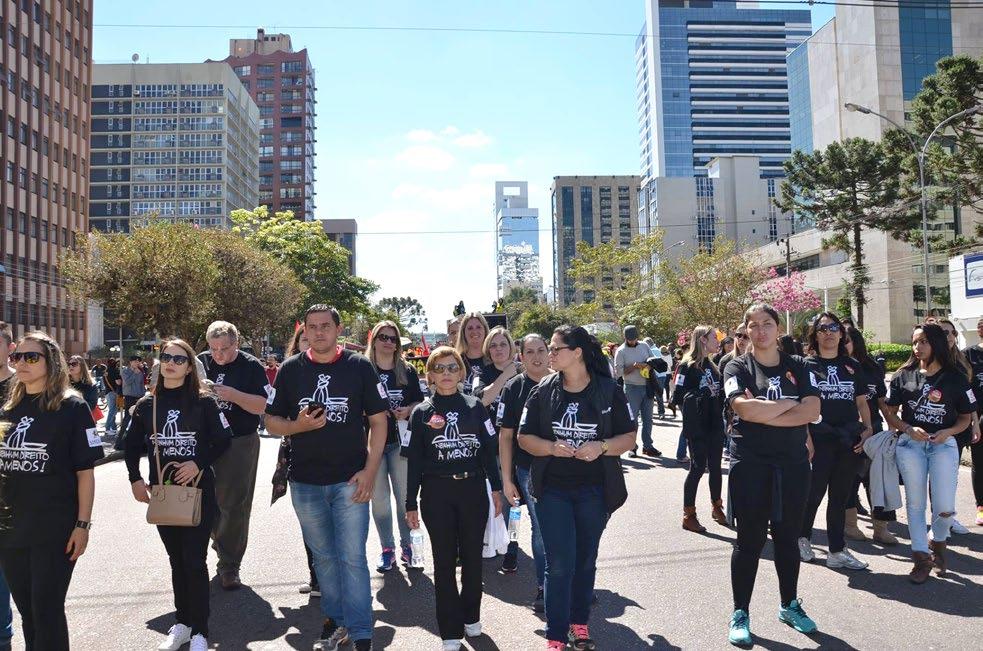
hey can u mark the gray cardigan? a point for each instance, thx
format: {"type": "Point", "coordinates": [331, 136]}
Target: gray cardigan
{"type": "Point", "coordinates": [885, 490]}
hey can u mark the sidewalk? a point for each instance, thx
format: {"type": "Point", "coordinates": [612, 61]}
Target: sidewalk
{"type": "Point", "coordinates": [107, 443]}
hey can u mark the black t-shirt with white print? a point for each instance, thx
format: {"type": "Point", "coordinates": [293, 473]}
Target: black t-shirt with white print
{"type": "Point", "coordinates": [189, 428]}
{"type": "Point", "coordinates": [245, 373]}
{"type": "Point", "coordinates": [400, 395]}
{"type": "Point", "coordinates": [450, 435]}
{"type": "Point", "coordinates": [839, 380]}
{"type": "Point", "coordinates": [575, 421]}
{"type": "Point", "coordinates": [974, 354]}
{"type": "Point", "coordinates": [472, 367]}
{"type": "Point", "coordinates": [488, 375]}
{"type": "Point", "coordinates": [931, 402]}
{"type": "Point", "coordinates": [760, 442]}
{"type": "Point", "coordinates": [349, 388]}
{"type": "Point", "coordinates": [876, 389]}
{"type": "Point", "coordinates": [40, 453]}
{"type": "Point", "coordinates": [514, 395]}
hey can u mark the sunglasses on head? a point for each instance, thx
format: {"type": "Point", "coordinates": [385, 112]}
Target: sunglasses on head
{"type": "Point", "coordinates": [30, 358]}
{"type": "Point", "coordinates": [390, 338]}
{"type": "Point", "coordinates": [440, 369]}
{"type": "Point", "coordinates": [828, 327]}
{"type": "Point", "coordinates": [180, 360]}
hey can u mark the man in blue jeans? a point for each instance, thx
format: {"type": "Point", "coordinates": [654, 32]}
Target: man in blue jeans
{"type": "Point", "coordinates": [629, 360]}
{"type": "Point", "coordinates": [319, 400]}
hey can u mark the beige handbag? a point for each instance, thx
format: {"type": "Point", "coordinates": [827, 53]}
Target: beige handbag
{"type": "Point", "coordinates": [170, 504]}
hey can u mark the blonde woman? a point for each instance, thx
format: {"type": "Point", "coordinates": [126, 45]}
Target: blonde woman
{"type": "Point", "coordinates": [470, 346]}
{"type": "Point", "coordinates": [81, 379]}
{"type": "Point", "coordinates": [698, 393]}
{"type": "Point", "coordinates": [402, 385]}
{"type": "Point", "coordinates": [50, 446]}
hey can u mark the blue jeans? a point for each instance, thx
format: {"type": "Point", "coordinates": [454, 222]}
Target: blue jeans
{"type": "Point", "coordinates": [336, 529]}
{"type": "Point", "coordinates": [524, 479]}
{"type": "Point", "coordinates": [681, 446]}
{"type": "Point", "coordinates": [390, 481]}
{"type": "Point", "coordinates": [641, 404]}
{"type": "Point", "coordinates": [660, 388]}
{"type": "Point", "coordinates": [110, 411]}
{"type": "Point", "coordinates": [6, 614]}
{"type": "Point", "coordinates": [928, 467]}
{"type": "Point", "coordinates": [572, 521]}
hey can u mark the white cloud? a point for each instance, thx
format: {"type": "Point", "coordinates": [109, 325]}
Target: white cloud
{"type": "Point", "coordinates": [426, 157]}
{"type": "Point", "coordinates": [475, 139]}
{"type": "Point", "coordinates": [421, 136]}
{"type": "Point", "coordinates": [489, 171]}
{"type": "Point", "coordinates": [450, 131]}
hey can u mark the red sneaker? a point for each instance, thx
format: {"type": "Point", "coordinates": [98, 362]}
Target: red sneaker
{"type": "Point", "coordinates": [580, 638]}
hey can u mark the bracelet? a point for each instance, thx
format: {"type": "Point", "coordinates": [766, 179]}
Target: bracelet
{"type": "Point", "coordinates": [83, 524]}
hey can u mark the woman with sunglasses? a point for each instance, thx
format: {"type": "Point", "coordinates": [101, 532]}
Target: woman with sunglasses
{"type": "Point", "coordinates": [470, 346]}
{"type": "Point", "coordinates": [49, 448]}
{"type": "Point", "coordinates": [403, 386]}
{"type": "Point", "coordinates": [837, 439]}
{"type": "Point", "coordinates": [936, 403]}
{"type": "Point", "coordinates": [773, 397]}
{"type": "Point", "coordinates": [974, 355]}
{"type": "Point", "coordinates": [81, 379]}
{"type": "Point", "coordinates": [180, 420]}
{"type": "Point", "coordinates": [699, 395]}
{"type": "Point", "coordinates": [450, 457]}
{"type": "Point", "coordinates": [575, 425]}
{"type": "Point", "coordinates": [856, 348]}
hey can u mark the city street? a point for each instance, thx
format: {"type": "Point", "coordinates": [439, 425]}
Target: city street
{"type": "Point", "coordinates": [658, 586]}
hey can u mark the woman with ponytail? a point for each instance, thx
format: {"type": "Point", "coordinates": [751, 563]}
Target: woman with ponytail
{"type": "Point", "coordinates": [575, 425]}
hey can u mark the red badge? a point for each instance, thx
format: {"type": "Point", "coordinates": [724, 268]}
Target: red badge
{"type": "Point", "coordinates": [850, 370]}
{"type": "Point", "coordinates": [436, 421]}
{"type": "Point", "coordinates": [791, 378]}
{"type": "Point", "coordinates": [935, 395]}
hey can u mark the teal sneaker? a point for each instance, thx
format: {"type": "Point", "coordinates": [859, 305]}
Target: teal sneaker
{"type": "Point", "coordinates": [794, 616]}
{"type": "Point", "coordinates": [740, 628]}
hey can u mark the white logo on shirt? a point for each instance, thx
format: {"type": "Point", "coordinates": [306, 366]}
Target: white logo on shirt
{"type": "Point", "coordinates": [222, 404]}
{"type": "Point", "coordinates": [574, 432]}
{"type": "Point", "coordinates": [175, 443]}
{"type": "Point", "coordinates": [19, 454]}
{"type": "Point", "coordinates": [926, 411]}
{"type": "Point", "coordinates": [395, 395]}
{"type": "Point", "coordinates": [709, 382]}
{"type": "Point", "coordinates": [833, 388]}
{"type": "Point", "coordinates": [335, 409]}
{"type": "Point", "coordinates": [452, 444]}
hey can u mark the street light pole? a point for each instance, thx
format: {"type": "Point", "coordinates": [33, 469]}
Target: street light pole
{"type": "Point", "coordinates": [920, 157]}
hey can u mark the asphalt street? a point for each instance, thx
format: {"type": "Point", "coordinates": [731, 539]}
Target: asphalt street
{"type": "Point", "coordinates": [659, 587]}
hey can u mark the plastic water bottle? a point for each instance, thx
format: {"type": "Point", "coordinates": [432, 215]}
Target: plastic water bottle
{"type": "Point", "coordinates": [418, 550]}
{"type": "Point", "coordinates": [515, 517]}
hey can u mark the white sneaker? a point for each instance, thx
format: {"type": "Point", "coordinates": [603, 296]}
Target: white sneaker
{"type": "Point", "coordinates": [958, 528]}
{"type": "Point", "coordinates": [805, 551]}
{"type": "Point", "coordinates": [450, 645]}
{"type": "Point", "coordinates": [845, 560]}
{"type": "Point", "coordinates": [198, 643]}
{"type": "Point", "coordinates": [177, 636]}
{"type": "Point", "coordinates": [472, 630]}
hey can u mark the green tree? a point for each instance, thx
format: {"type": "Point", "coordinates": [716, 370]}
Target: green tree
{"type": "Point", "coordinates": [845, 188]}
{"type": "Point", "coordinates": [543, 319]}
{"type": "Point", "coordinates": [409, 312]}
{"type": "Point", "coordinates": [516, 301]}
{"type": "Point", "coordinates": [320, 264]}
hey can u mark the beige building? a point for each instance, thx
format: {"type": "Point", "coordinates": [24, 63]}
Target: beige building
{"type": "Point", "coordinates": [591, 209]}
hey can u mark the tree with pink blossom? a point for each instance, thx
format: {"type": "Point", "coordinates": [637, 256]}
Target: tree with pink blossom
{"type": "Point", "coordinates": [786, 293]}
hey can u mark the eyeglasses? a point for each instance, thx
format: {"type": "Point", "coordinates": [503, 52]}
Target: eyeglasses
{"type": "Point", "coordinates": [180, 360]}
{"type": "Point", "coordinates": [73, 363]}
{"type": "Point", "coordinates": [741, 335]}
{"type": "Point", "coordinates": [555, 349]}
{"type": "Point", "coordinates": [440, 369]}
{"type": "Point", "coordinates": [390, 338]}
{"type": "Point", "coordinates": [828, 327]}
{"type": "Point", "coordinates": [31, 358]}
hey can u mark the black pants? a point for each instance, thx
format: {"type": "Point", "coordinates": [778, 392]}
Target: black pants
{"type": "Point", "coordinates": [876, 512]}
{"type": "Point", "coordinates": [128, 402]}
{"type": "Point", "coordinates": [976, 453]}
{"type": "Point", "coordinates": [763, 494]}
{"type": "Point", "coordinates": [834, 467]}
{"type": "Point", "coordinates": [38, 578]}
{"type": "Point", "coordinates": [455, 512]}
{"type": "Point", "coordinates": [705, 452]}
{"type": "Point", "coordinates": [187, 549]}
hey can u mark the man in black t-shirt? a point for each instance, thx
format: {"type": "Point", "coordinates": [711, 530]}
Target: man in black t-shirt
{"type": "Point", "coordinates": [319, 400]}
{"type": "Point", "coordinates": [240, 382]}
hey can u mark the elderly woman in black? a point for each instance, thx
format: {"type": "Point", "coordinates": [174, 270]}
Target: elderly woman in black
{"type": "Point", "coordinates": [181, 428]}
{"type": "Point", "coordinates": [774, 398]}
{"type": "Point", "coordinates": [49, 448]}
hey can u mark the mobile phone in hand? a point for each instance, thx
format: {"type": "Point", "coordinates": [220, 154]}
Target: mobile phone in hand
{"type": "Point", "coordinates": [315, 409]}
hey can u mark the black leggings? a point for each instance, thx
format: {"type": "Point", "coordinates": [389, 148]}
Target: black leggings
{"type": "Point", "coordinates": [752, 492]}
{"type": "Point", "coordinates": [834, 467]}
{"type": "Point", "coordinates": [705, 452]}
{"type": "Point", "coordinates": [187, 549]}
{"type": "Point", "coordinates": [38, 578]}
{"type": "Point", "coordinates": [976, 453]}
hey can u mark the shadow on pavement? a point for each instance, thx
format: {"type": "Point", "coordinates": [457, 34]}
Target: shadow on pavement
{"type": "Point", "coordinates": [408, 601]}
{"type": "Point", "coordinates": [823, 640]}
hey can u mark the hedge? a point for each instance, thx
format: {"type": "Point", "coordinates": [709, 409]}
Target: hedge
{"type": "Point", "coordinates": [894, 354]}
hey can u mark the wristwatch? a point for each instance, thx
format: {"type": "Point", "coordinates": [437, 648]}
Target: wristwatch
{"type": "Point", "coordinates": [83, 524]}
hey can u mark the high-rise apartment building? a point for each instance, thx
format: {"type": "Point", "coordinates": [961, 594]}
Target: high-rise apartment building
{"type": "Point", "coordinates": [591, 209]}
{"type": "Point", "coordinates": [45, 74]}
{"type": "Point", "coordinates": [171, 140]}
{"type": "Point", "coordinates": [281, 82]}
{"type": "Point", "coordinates": [345, 233]}
{"type": "Point", "coordinates": [516, 238]}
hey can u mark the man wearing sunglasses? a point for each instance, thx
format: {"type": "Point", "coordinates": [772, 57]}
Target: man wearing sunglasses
{"type": "Point", "coordinates": [240, 382]}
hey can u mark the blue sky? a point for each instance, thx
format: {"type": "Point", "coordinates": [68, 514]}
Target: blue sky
{"type": "Point", "coordinates": [414, 128]}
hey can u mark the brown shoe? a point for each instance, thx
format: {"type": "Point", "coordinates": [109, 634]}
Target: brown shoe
{"type": "Point", "coordinates": [718, 514]}
{"type": "Point", "coordinates": [922, 569]}
{"type": "Point", "coordinates": [882, 535]}
{"type": "Point", "coordinates": [230, 580]}
{"type": "Point", "coordinates": [938, 556]}
{"type": "Point", "coordinates": [851, 530]}
{"type": "Point", "coordinates": [690, 522]}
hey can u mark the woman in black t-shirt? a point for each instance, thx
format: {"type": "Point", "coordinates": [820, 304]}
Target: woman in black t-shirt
{"type": "Point", "coordinates": [974, 355]}
{"type": "Point", "coordinates": [402, 385]}
{"type": "Point", "coordinates": [773, 397]}
{"type": "Point", "coordinates": [81, 379]}
{"type": "Point", "coordinates": [451, 455]}
{"type": "Point", "coordinates": [699, 394]}
{"type": "Point", "coordinates": [470, 346]}
{"type": "Point", "coordinates": [936, 403]}
{"type": "Point", "coordinates": [49, 448]}
{"type": "Point", "coordinates": [837, 439]}
{"type": "Point", "coordinates": [190, 433]}
{"type": "Point", "coordinates": [576, 424]}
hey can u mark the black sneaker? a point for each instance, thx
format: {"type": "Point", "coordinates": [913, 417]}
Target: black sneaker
{"type": "Point", "coordinates": [634, 452]}
{"type": "Point", "coordinates": [332, 636]}
{"type": "Point", "coordinates": [363, 645]}
{"type": "Point", "coordinates": [510, 564]}
{"type": "Point", "coordinates": [651, 452]}
{"type": "Point", "coordinates": [539, 603]}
